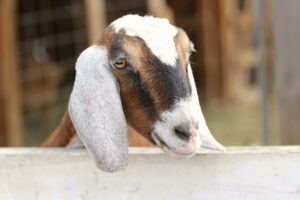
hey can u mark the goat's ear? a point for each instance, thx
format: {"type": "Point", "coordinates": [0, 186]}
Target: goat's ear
{"type": "Point", "coordinates": [96, 111]}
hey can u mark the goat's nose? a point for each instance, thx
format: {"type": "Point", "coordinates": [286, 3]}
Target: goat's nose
{"type": "Point", "coordinates": [183, 132]}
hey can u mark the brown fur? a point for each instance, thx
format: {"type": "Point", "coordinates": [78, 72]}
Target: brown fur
{"type": "Point", "coordinates": [133, 110]}
{"type": "Point", "coordinates": [183, 48]}
{"type": "Point", "coordinates": [106, 38]}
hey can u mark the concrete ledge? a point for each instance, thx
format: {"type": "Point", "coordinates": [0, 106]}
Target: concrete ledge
{"type": "Point", "coordinates": [240, 173]}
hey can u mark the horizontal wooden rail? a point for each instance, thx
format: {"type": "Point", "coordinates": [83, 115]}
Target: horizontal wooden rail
{"type": "Point", "coordinates": [240, 173]}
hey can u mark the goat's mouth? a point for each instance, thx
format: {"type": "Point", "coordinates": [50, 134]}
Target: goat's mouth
{"type": "Point", "coordinates": [187, 149]}
{"type": "Point", "coordinates": [160, 143]}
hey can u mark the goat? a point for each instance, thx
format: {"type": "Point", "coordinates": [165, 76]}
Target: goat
{"type": "Point", "coordinates": [138, 73]}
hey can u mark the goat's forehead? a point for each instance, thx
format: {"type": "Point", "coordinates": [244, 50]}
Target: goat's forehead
{"type": "Point", "coordinates": [158, 34]}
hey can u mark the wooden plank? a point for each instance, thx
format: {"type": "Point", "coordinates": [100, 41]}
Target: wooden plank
{"type": "Point", "coordinates": [287, 70]}
{"type": "Point", "coordinates": [10, 102]}
{"type": "Point", "coordinates": [95, 12]}
{"type": "Point", "coordinates": [211, 49]}
{"type": "Point", "coordinates": [240, 173]}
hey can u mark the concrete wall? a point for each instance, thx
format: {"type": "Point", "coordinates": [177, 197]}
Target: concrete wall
{"type": "Point", "coordinates": [240, 173]}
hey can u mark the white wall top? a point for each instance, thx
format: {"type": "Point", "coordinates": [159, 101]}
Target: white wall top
{"type": "Point", "coordinates": [240, 173]}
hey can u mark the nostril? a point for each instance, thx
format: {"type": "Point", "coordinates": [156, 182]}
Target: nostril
{"type": "Point", "coordinates": [182, 133]}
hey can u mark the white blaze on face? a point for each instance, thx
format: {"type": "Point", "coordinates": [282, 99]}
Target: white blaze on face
{"type": "Point", "coordinates": [158, 34]}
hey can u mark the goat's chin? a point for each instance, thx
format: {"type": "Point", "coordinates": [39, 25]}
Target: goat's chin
{"type": "Point", "coordinates": [183, 149]}
{"type": "Point", "coordinates": [179, 151]}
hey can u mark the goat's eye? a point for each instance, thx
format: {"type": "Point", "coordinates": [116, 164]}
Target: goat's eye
{"type": "Point", "coordinates": [120, 64]}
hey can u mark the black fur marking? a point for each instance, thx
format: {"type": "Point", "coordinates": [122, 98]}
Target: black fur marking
{"type": "Point", "coordinates": [174, 85]}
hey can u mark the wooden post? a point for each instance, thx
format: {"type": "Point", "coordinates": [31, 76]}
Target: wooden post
{"type": "Point", "coordinates": [160, 8]}
{"type": "Point", "coordinates": [211, 49]}
{"type": "Point", "coordinates": [11, 130]}
{"type": "Point", "coordinates": [95, 18]}
{"type": "Point", "coordinates": [238, 55]}
{"type": "Point", "coordinates": [287, 69]}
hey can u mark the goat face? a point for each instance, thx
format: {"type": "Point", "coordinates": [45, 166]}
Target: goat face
{"type": "Point", "coordinates": [138, 72]}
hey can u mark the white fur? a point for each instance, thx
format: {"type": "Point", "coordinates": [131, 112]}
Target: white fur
{"type": "Point", "coordinates": [96, 111]}
{"type": "Point", "coordinates": [157, 33]}
{"type": "Point", "coordinates": [184, 112]}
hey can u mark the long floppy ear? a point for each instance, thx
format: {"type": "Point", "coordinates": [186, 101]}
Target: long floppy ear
{"type": "Point", "coordinates": [96, 111]}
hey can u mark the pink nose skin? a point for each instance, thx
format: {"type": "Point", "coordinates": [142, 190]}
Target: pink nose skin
{"type": "Point", "coordinates": [193, 132]}
{"type": "Point", "coordinates": [191, 146]}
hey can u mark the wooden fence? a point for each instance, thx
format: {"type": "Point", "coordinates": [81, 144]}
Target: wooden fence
{"type": "Point", "coordinates": [240, 173]}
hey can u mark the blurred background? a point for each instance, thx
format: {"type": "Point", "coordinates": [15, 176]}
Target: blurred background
{"type": "Point", "coordinates": [246, 66]}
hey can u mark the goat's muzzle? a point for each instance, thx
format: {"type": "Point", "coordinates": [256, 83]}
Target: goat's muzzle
{"type": "Point", "coordinates": [183, 130]}
{"type": "Point", "coordinates": [191, 137]}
